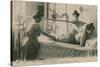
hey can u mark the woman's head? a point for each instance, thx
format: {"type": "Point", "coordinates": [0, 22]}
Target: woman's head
{"type": "Point", "coordinates": [76, 15]}
{"type": "Point", "coordinates": [38, 16]}
{"type": "Point", "coordinates": [90, 28]}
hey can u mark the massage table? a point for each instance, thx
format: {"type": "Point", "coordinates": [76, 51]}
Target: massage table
{"type": "Point", "coordinates": [53, 49]}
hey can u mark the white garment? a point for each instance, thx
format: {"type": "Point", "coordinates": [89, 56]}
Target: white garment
{"type": "Point", "coordinates": [81, 31]}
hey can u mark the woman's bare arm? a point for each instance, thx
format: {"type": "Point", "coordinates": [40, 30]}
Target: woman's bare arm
{"type": "Point", "coordinates": [83, 39]}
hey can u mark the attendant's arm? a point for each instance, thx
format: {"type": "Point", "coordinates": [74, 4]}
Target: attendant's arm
{"type": "Point", "coordinates": [48, 35]}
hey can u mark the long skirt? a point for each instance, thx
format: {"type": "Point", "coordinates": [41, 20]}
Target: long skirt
{"type": "Point", "coordinates": [30, 49]}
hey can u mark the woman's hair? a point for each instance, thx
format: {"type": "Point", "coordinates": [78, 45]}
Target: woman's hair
{"type": "Point", "coordinates": [38, 15]}
{"type": "Point", "coordinates": [76, 13]}
{"type": "Point", "coordinates": [90, 26]}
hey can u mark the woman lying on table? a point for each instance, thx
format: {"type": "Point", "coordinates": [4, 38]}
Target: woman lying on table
{"type": "Point", "coordinates": [76, 37]}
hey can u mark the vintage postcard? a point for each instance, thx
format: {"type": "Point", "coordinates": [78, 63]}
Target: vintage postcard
{"type": "Point", "coordinates": [52, 33]}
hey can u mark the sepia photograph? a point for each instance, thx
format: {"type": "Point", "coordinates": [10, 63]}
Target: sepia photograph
{"type": "Point", "coordinates": [52, 33]}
